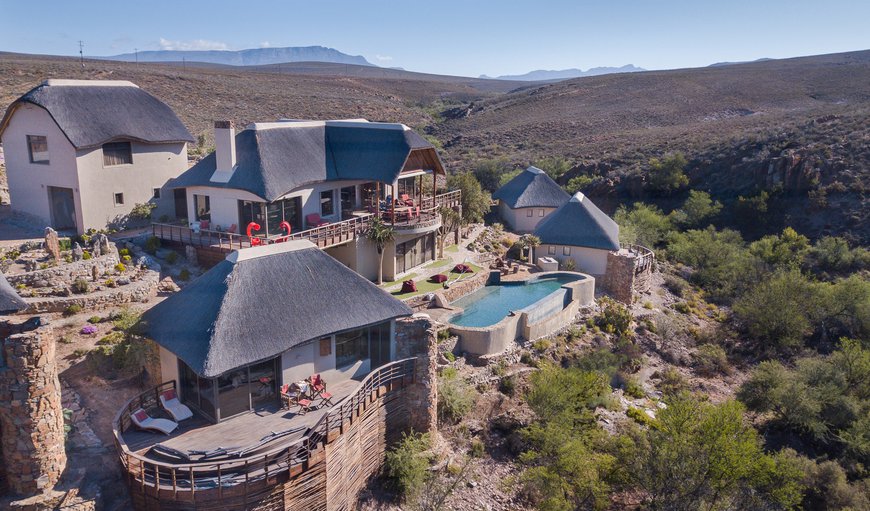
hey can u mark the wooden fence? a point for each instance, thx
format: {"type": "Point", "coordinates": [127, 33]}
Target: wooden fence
{"type": "Point", "coordinates": [250, 482]}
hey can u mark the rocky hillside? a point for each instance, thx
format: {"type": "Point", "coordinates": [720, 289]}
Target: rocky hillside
{"type": "Point", "coordinates": [789, 127]}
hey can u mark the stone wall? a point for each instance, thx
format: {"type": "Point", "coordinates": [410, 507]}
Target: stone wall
{"type": "Point", "coordinates": [31, 413]}
{"type": "Point", "coordinates": [418, 337]}
{"type": "Point", "coordinates": [627, 273]}
{"type": "Point", "coordinates": [140, 290]}
{"type": "Point", "coordinates": [65, 273]}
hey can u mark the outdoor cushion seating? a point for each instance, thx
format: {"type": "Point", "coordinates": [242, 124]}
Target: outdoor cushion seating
{"type": "Point", "coordinates": [204, 225]}
{"type": "Point", "coordinates": [144, 421]}
{"type": "Point", "coordinates": [294, 394]}
{"type": "Point", "coordinates": [438, 278]}
{"type": "Point", "coordinates": [169, 401]}
{"type": "Point", "coordinates": [409, 286]}
{"type": "Point", "coordinates": [233, 229]}
{"type": "Point", "coordinates": [462, 268]}
{"type": "Point", "coordinates": [314, 220]}
{"type": "Point", "coordinates": [318, 389]}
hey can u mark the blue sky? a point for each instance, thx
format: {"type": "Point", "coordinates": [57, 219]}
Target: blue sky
{"type": "Point", "coordinates": [452, 37]}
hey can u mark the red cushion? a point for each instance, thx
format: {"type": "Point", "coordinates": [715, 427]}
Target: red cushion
{"type": "Point", "coordinates": [325, 395]}
{"type": "Point", "coordinates": [169, 395]}
{"type": "Point", "coordinates": [141, 416]}
{"type": "Point", "coordinates": [304, 402]}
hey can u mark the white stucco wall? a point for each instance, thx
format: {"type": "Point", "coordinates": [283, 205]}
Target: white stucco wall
{"type": "Point", "coordinates": [29, 182]}
{"type": "Point", "coordinates": [519, 221]}
{"type": "Point", "coordinates": [169, 367]}
{"type": "Point", "coordinates": [153, 166]}
{"type": "Point", "coordinates": [93, 184]}
{"type": "Point", "coordinates": [588, 260]}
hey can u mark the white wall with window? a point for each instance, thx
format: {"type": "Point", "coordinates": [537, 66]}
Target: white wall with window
{"type": "Point", "coordinates": [522, 220]}
{"type": "Point", "coordinates": [587, 260]}
{"type": "Point", "coordinates": [339, 357]}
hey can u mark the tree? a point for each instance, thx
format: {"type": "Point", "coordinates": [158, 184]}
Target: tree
{"type": "Point", "coordinates": [530, 242]}
{"type": "Point", "coordinates": [642, 224]}
{"type": "Point", "coordinates": [381, 235]}
{"type": "Point", "coordinates": [554, 166]}
{"type": "Point", "coordinates": [667, 175]}
{"type": "Point", "coordinates": [719, 260]}
{"type": "Point", "coordinates": [781, 310]}
{"type": "Point", "coordinates": [698, 208]}
{"type": "Point", "coordinates": [705, 456]}
{"type": "Point", "coordinates": [450, 220]}
{"type": "Point", "coordinates": [577, 183]}
{"type": "Point", "coordinates": [489, 173]}
{"type": "Point", "coordinates": [475, 200]}
{"type": "Point", "coordinates": [784, 251]}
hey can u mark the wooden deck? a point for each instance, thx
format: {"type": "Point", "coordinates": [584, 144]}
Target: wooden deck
{"type": "Point", "coordinates": [238, 432]}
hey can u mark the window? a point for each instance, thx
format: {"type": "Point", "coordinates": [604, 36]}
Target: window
{"type": "Point", "coordinates": [117, 153]}
{"type": "Point", "coordinates": [551, 250]}
{"type": "Point", "coordinates": [119, 199]}
{"type": "Point", "coordinates": [201, 206]}
{"type": "Point", "coordinates": [566, 251]}
{"type": "Point", "coordinates": [327, 205]}
{"type": "Point", "coordinates": [530, 213]}
{"type": "Point", "coordinates": [156, 193]}
{"type": "Point", "coordinates": [351, 347]}
{"type": "Point", "coordinates": [37, 146]}
{"type": "Point", "coordinates": [326, 346]}
{"type": "Point", "coordinates": [540, 212]}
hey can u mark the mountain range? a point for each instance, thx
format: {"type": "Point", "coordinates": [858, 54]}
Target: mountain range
{"type": "Point", "coordinates": [251, 57]}
{"type": "Point", "coordinates": [542, 75]}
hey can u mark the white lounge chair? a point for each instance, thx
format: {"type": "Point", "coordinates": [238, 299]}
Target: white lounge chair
{"type": "Point", "coordinates": [143, 421]}
{"type": "Point", "coordinates": [169, 401]}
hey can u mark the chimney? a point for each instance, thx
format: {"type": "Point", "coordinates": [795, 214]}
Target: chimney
{"type": "Point", "coordinates": [225, 150]}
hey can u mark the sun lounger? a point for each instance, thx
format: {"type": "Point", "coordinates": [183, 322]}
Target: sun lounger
{"type": "Point", "coordinates": [169, 401]}
{"type": "Point", "coordinates": [314, 220]}
{"type": "Point", "coordinates": [144, 421]}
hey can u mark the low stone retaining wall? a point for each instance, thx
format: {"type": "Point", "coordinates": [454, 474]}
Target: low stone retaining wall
{"type": "Point", "coordinates": [64, 274]}
{"type": "Point", "coordinates": [140, 290]}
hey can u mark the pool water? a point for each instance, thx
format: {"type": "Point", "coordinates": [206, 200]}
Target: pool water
{"type": "Point", "coordinates": [490, 304]}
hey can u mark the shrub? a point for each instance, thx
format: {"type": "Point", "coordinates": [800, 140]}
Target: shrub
{"type": "Point", "coordinates": [642, 224]}
{"type": "Point", "coordinates": [450, 356]}
{"type": "Point", "coordinates": [88, 330]}
{"type": "Point", "coordinates": [80, 286]}
{"type": "Point", "coordinates": [640, 417]}
{"type": "Point", "coordinates": [184, 274]}
{"type": "Point", "coordinates": [126, 259]}
{"type": "Point", "coordinates": [455, 397]}
{"type": "Point", "coordinates": [64, 244]}
{"type": "Point", "coordinates": [508, 385]}
{"type": "Point", "coordinates": [124, 252]}
{"type": "Point", "coordinates": [142, 211]}
{"type": "Point", "coordinates": [711, 359]}
{"type": "Point", "coordinates": [120, 268]}
{"type": "Point", "coordinates": [152, 244]}
{"type": "Point", "coordinates": [682, 307]}
{"type": "Point", "coordinates": [406, 464]}
{"type": "Point", "coordinates": [615, 318]}
{"type": "Point", "coordinates": [569, 264]}
{"type": "Point", "coordinates": [94, 320]}
{"type": "Point", "coordinates": [671, 382]}
{"type": "Point", "coordinates": [542, 345]}
{"type": "Point", "coordinates": [443, 335]}
{"type": "Point", "coordinates": [478, 449]}
{"type": "Point", "coordinates": [172, 257]}
{"type": "Point", "coordinates": [72, 310]}
{"type": "Point", "coordinates": [86, 255]}
{"type": "Point", "coordinates": [667, 175]}
{"type": "Point", "coordinates": [110, 283]}
{"type": "Point", "coordinates": [631, 387]}
{"type": "Point", "coordinates": [126, 319]}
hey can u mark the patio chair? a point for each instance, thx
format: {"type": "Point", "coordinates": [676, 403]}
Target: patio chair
{"type": "Point", "coordinates": [314, 220]}
{"type": "Point", "coordinates": [318, 389]}
{"type": "Point", "coordinates": [292, 394]}
{"type": "Point", "coordinates": [233, 229]}
{"type": "Point", "coordinates": [144, 421]}
{"type": "Point", "coordinates": [203, 225]}
{"type": "Point", "coordinates": [169, 401]}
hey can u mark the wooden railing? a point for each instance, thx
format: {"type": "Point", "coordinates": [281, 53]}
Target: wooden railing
{"type": "Point", "coordinates": [335, 233]}
{"type": "Point", "coordinates": [450, 199]}
{"type": "Point", "coordinates": [203, 238]}
{"type": "Point", "coordinates": [169, 481]}
{"type": "Point", "coordinates": [644, 257]}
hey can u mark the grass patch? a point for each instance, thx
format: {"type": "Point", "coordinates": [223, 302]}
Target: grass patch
{"type": "Point", "coordinates": [423, 287]}
{"type": "Point", "coordinates": [451, 248]}
{"type": "Point", "coordinates": [437, 264]}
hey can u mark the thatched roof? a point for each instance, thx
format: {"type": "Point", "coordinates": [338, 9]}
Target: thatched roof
{"type": "Point", "coordinates": [10, 301]}
{"type": "Point", "coordinates": [262, 301]}
{"type": "Point", "coordinates": [532, 188]}
{"type": "Point", "coordinates": [275, 158]}
{"type": "Point", "coordinates": [579, 223]}
{"type": "Point", "coordinates": [93, 112]}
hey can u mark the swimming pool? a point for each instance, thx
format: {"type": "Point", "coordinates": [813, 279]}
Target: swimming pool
{"type": "Point", "coordinates": [490, 304]}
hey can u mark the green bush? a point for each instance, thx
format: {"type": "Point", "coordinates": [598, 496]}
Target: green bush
{"type": "Point", "coordinates": [172, 257]}
{"type": "Point", "coordinates": [508, 385]}
{"type": "Point", "coordinates": [642, 224]}
{"type": "Point", "coordinates": [671, 382]}
{"type": "Point", "coordinates": [94, 320]}
{"type": "Point", "coordinates": [406, 465]}
{"type": "Point", "coordinates": [455, 397]}
{"type": "Point", "coordinates": [72, 310]}
{"type": "Point", "coordinates": [80, 286]}
{"type": "Point", "coordinates": [711, 360]}
{"type": "Point", "coordinates": [667, 175]}
{"type": "Point", "coordinates": [541, 345]}
{"type": "Point", "coordinates": [614, 318]}
{"type": "Point", "coordinates": [86, 255]}
{"type": "Point", "coordinates": [126, 319]}
{"type": "Point", "coordinates": [640, 417]}
{"type": "Point", "coordinates": [64, 244]}
{"type": "Point", "coordinates": [152, 244]}
{"type": "Point", "coordinates": [124, 252]}
{"type": "Point", "coordinates": [478, 449]}
{"type": "Point", "coordinates": [184, 274]}
{"type": "Point", "coordinates": [120, 268]}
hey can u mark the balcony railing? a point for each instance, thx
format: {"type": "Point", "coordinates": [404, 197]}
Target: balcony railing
{"type": "Point", "coordinates": [169, 481]}
{"type": "Point", "coordinates": [644, 257]}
